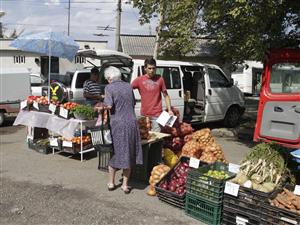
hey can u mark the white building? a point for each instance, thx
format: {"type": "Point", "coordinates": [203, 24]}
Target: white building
{"type": "Point", "coordinates": [38, 64]}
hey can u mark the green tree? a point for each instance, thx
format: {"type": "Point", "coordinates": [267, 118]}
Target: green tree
{"type": "Point", "coordinates": [243, 29]}
{"type": "Point", "coordinates": [178, 22]}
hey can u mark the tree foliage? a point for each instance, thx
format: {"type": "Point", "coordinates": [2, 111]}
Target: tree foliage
{"type": "Point", "coordinates": [178, 23]}
{"type": "Point", "coordinates": [243, 29]}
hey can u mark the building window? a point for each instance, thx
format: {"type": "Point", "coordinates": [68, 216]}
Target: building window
{"type": "Point", "coordinates": [20, 59]}
{"type": "Point", "coordinates": [80, 60]}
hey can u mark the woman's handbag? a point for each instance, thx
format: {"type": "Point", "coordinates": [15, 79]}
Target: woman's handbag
{"type": "Point", "coordinates": [101, 134]}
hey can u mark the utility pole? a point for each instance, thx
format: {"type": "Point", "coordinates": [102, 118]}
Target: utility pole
{"type": "Point", "coordinates": [69, 9]}
{"type": "Point", "coordinates": [118, 25]}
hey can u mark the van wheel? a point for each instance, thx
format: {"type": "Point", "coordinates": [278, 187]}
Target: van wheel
{"type": "Point", "coordinates": [1, 118]}
{"type": "Point", "coordinates": [232, 117]}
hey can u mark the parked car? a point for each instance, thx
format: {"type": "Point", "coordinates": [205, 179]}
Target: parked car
{"type": "Point", "coordinates": [15, 87]}
{"type": "Point", "coordinates": [36, 83]}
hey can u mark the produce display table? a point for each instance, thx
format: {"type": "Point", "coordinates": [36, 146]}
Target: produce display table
{"type": "Point", "coordinates": [152, 156]}
{"type": "Point", "coordinates": [61, 126]}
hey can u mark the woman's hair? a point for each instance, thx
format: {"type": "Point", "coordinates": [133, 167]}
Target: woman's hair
{"type": "Point", "coordinates": [112, 72]}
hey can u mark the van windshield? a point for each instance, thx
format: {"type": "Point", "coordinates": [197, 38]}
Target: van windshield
{"type": "Point", "coordinates": [285, 78]}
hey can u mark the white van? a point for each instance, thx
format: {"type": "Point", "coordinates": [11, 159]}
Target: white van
{"type": "Point", "coordinates": [247, 77]}
{"type": "Point", "coordinates": [201, 92]}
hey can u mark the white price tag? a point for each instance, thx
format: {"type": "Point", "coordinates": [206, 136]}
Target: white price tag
{"type": "Point", "coordinates": [233, 168]}
{"type": "Point", "coordinates": [52, 108]}
{"type": "Point", "coordinates": [36, 105]}
{"type": "Point", "coordinates": [194, 163]}
{"type": "Point", "coordinates": [241, 221]}
{"type": "Point", "coordinates": [297, 190]}
{"type": "Point", "coordinates": [231, 188]}
{"type": "Point", "coordinates": [63, 112]}
{"type": "Point", "coordinates": [53, 142]}
{"type": "Point", "coordinates": [23, 104]}
{"type": "Point", "coordinates": [67, 144]}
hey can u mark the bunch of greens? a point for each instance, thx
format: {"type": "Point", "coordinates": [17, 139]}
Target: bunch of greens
{"type": "Point", "coordinates": [263, 168]}
{"type": "Point", "coordinates": [85, 111]}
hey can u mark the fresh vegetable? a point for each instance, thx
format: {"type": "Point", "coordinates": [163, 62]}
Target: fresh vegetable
{"type": "Point", "coordinates": [263, 168]}
{"type": "Point", "coordinates": [83, 110]}
{"type": "Point", "coordinates": [176, 182]}
{"type": "Point", "coordinates": [192, 149]}
{"type": "Point", "coordinates": [31, 99]}
{"type": "Point", "coordinates": [220, 175]}
{"type": "Point", "coordinates": [70, 105]}
{"type": "Point", "coordinates": [169, 157]}
{"type": "Point", "coordinates": [203, 137]}
{"type": "Point", "coordinates": [158, 172]}
{"type": "Point", "coordinates": [287, 200]}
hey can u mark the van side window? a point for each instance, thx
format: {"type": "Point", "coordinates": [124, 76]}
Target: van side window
{"type": "Point", "coordinates": [171, 76]}
{"type": "Point", "coordinates": [216, 78]}
{"type": "Point", "coordinates": [81, 78]}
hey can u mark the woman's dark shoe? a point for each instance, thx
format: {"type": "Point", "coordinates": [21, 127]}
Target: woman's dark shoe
{"type": "Point", "coordinates": [126, 190]}
{"type": "Point", "coordinates": [111, 187]}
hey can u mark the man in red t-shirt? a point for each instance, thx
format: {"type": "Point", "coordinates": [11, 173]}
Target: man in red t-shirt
{"type": "Point", "coordinates": [150, 87]}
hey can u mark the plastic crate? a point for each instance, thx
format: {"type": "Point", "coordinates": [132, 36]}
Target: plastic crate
{"type": "Point", "coordinates": [234, 216]}
{"type": "Point", "coordinates": [76, 148]}
{"type": "Point", "coordinates": [248, 200]}
{"type": "Point", "coordinates": [274, 215]}
{"type": "Point", "coordinates": [207, 187]}
{"type": "Point", "coordinates": [169, 197]}
{"type": "Point", "coordinates": [152, 156]}
{"type": "Point", "coordinates": [202, 210]}
{"type": "Point", "coordinates": [242, 208]}
{"type": "Point", "coordinates": [42, 108]}
{"type": "Point", "coordinates": [44, 149]}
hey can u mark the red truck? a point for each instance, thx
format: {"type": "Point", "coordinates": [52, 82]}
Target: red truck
{"type": "Point", "coordinates": [278, 117]}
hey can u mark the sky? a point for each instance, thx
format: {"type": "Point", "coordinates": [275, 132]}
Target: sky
{"type": "Point", "coordinates": [85, 18]}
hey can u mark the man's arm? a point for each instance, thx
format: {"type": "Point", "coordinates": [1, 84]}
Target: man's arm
{"type": "Point", "coordinates": [167, 97]}
{"type": "Point", "coordinates": [135, 83]}
{"type": "Point", "coordinates": [94, 97]}
{"type": "Point", "coordinates": [168, 103]}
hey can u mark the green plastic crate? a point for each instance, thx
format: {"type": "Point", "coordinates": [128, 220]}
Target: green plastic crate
{"type": "Point", "coordinates": [203, 210]}
{"type": "Point", "coordinates": [206, 187]}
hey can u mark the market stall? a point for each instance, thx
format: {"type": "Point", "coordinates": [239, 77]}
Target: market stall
{"type": "Point", "coordinates": [58, 126]}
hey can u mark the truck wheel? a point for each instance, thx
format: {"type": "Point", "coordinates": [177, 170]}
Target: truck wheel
{"type": "Point", "coordinates": [1, 118]}
{"type": "Point", "coordinates": [232, 117]}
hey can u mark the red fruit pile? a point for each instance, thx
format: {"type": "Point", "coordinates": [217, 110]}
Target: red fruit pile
{"type": "Point", "coordinates": [31, 99]}
{"type": "Point", "coordinates": [177, 181]}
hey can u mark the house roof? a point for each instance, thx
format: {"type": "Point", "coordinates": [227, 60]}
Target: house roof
{"type": "Point", "coordinates": [143, 45]}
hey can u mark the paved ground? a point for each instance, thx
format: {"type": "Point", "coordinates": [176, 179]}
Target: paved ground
{"type": "Point", "coordinates": [56, 189]}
